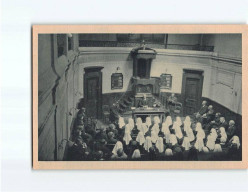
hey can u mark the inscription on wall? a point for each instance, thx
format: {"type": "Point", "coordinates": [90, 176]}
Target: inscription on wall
{"type": "Point", "coordinates": [165, 81]}
{"type": "Point", "coordinates": [117, 81]}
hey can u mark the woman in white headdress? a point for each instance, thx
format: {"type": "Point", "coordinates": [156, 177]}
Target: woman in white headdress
{"type": "Point", "coordinates": [173, 139]}
{"type": "Point", "coordinates": [127, 136]}
{"type": "Point", "coordinates": [188, 130]}
{"type": "Point", "coordinates": [136, 154]}
{"type": "Point", "coordinates": [217, 148]}
{"type": "Point", "coordinates": [187, 121]}
{"type": "Point", "coordinates": [156, 120]}
{"type": "Point", "coordinates": [205, 149]}
{"type": "Point", "coordinates": [144, 128]}
{"type": "Point", "coordinates": [235, 141]}
{"type": "Point", "coordinates": [199, 144]}
{"type": "Point", "coordinates": [178, 131]}
{"type": "Point", "coordinates": [214, 134]}
{"type": "Point", "coordinates": [198, 127]}
{"type": "Point", "coordinates": [201, 133]}
{"type": "Point", "coordinates": [118, 145]}
{"type": "Point", "coordinates": [148, 143]}
{"type": "Point", "coordinates": [223, 136]}
{"type": "Point", "coordinates": [121, 122]}
{"type": "Point", "coordinates": [168, 152]}
{"type": "Point", "coordinates": [200, 136]}
{"type": "Point", "coordinates": [160, 144]}
{"type": "Point", "coordinates": [131, 123]}
{"type": "Point", "coordinates": [186, 143]}
{"type": "Point", "coordinates": [140, 138]}
{"type": "Point", "coordinates": [168, 121]}
{"type": "Point", "coordinates": [179, 121]}
{"type": "Point", "coordinates": [148, 122]}
{"type": "Point", "coordinates": [166, 131]}
{"type": "Point", "coordinates": [139, 123]}
{"type": "Point", "coordinates": [210, 142]}
{"type": "Point", "coordinates": [155, 128]}
{"type": "Point", "coordinates": [154, 136]}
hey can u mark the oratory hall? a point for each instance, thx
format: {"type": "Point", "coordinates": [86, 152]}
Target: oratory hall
{"type": "Point", "coordinates": [139, 97]}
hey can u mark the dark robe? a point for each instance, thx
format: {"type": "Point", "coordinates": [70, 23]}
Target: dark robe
{"type": "Point", "coordinates": [112, 140]}
{"type": "Point", "coordinates": [230, 131]}
{"type": "Point", "coordinates": [203, 110]}
{"type": "Point", "coordinates": [224, 124]}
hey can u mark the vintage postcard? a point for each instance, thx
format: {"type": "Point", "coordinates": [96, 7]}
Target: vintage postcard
{"type": "Point", "coordinates": [140, 96]}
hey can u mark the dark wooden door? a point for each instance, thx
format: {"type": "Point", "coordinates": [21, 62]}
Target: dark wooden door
{"type": "Point", "coordinates": [191, 91]}
{"type": "Point", "coordinates": [93, 91]}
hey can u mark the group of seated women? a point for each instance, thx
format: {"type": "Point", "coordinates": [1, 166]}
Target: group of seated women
{"type": "Point", "coordinates": [155, 140]}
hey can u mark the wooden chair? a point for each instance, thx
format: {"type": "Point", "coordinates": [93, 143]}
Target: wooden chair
{"type": "Point", "coordinates": [106, 113]}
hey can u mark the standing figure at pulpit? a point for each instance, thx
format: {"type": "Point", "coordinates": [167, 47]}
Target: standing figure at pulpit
{"type": "Point", "coordinates": [143, 102]}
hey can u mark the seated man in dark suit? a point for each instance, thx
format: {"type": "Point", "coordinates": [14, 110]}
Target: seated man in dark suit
{"type": "Point", "coordinates": [223, 123]}
{"type": "Point", "coordinates": [231, 129]}
{"type": "Point", "coordinates": [143, 102]}
{"type": "Point", "coordinates": [214, 123]}
{"type": "Point", "coordinates": [172, 100]}
{"type": "Point", "coordinates": [208, 117]}
{"type": "Point", "coordinates": [203, 110]}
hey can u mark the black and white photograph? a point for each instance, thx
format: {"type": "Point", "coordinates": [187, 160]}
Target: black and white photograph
{"type": "Point", "coordinates": [139, 97]}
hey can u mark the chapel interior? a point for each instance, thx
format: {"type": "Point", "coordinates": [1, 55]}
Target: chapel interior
{"type": "Point", "coordinates": [95, 88]}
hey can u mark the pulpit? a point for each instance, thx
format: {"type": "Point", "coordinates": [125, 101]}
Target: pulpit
{"type": "Point", "coordinates": [142, 82]}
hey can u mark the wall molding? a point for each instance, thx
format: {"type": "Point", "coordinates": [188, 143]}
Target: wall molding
{"type": "Point", "coordinates": [166, 52]}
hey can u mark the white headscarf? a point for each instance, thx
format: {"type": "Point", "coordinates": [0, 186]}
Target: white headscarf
{"type": "Point", "coordinates": [200, 134]}
{"type": "Point", "coordinates": [121, 122]}
{"type": "Point", "coordinates": [189, 132]}
{"type": "Point", "coordinates": [160, 144]}
{"type": "Point", "coordinates": [210, 142]}
{"type": "Point", "coordinates": [144, 128]}
{"type": "Point", "coordinates": [148, 121]}
{"type": "Point", "coordinates": [118, 145]}
{"type": "Point", "coordinates": [178, 120]}
{"type": "Point", "coordinates": [136, 154]}
{"type": "Point", "coordinates": [223, 135]}
{"type": "Point", "coordinates": [168, 121]}
{"type": "Point", "coordinates": [187, 121]}
{"type": "Point", "coordinates": [199, 144]}
{"type": "Point", "coordinates": [178, 131]}
{"type": "Point", "coordinates": [205, 149]}
{"type": "Point", "coordinates": [198, 127]}
{"type": "Point", "coordinates": [214, 134]}
{"type": "Point", "coordinates": [140, 138]}
{"type": "Point", "coordinates": [139, 123]}
{"type": "Point", "coordinates": [173, 139]}
{"type": "Point", "coordinates": [235, 140]}
{"type": "Point", "coordinates": [154, 136]}
{"type": "Point", "coordinates": [217, 148]}
{"type": "Point", "coordinates": [127, 137]}
{"type": "Point", "coordinates": [186, 143]}
{"type": "Point", "coordinates": [156, 120]}
{"type": "Point", "coordinates": [168, 152]}
{"type": "Point", "coordinates": [155, 128]}
{"type": "Point", "coordinates": [131, 123]}
{"type": "Point", "coordinates": [148, 143]}
{"type": "Point", "coordinates": [166, 131]}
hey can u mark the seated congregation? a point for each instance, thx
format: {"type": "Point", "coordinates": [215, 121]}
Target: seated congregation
{"type": "Point", "coordinates": [204, 136]}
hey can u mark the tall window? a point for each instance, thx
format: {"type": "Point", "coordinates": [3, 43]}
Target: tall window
{"type": "Point", "coordinates": [70, 42]}
{"type": "Point", "coordinates": [62, 44]}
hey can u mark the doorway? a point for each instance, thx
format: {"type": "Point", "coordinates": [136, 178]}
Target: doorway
{"type": "Point", "coordinates": [93, 91]}
{"type": "Point", "coordinates": [191, 90]}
